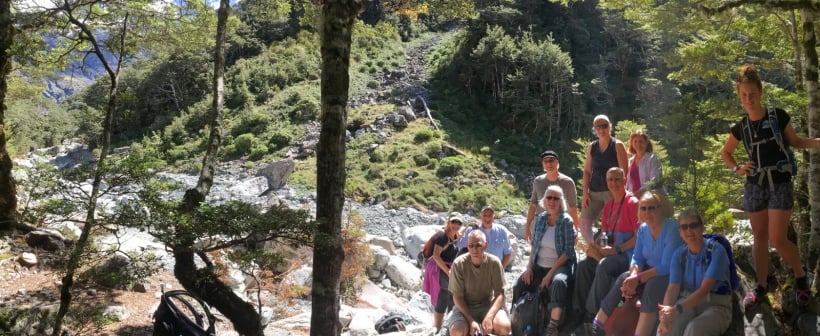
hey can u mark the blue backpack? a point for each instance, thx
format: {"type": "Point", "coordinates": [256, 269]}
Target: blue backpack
{"type": "Point", "coordinates": [710, 240]}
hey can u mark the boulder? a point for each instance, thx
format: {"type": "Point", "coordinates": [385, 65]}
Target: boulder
{"type": "Point", "coordinates": [28, 259]}
{"type": "Point", "coordinates": [277, 173]}
{"type": "Point", "coordinates": [46, 239]}
{"type": "Point", "coordinates": [383, 242]}
{"type": "Point", "coordinates": [403, 273]}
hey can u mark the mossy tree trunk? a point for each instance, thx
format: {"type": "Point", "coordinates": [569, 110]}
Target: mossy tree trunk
{"type": "Point", "coordinates": [337, 26]}
{"type": "Point", "coordinates": [8, 194]}
{"type": "Point", "coordinates": [813, 92]}
{"type": "Point", "coordinates": [204, 282]}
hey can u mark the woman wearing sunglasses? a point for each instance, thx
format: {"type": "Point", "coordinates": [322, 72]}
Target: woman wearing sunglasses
{"type": "Point", "coordinates": [648, 274]}
{"type": "Point", "coordinates": [552, 257]}
{"type": "Point", "coordinates": [698, 300]}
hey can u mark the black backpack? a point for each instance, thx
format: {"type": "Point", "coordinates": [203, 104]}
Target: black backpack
{"type": "Point", "coordinates": [390, 323]}
{"type": "Point", "coordinates": [181, 314]}
{"type": "Point", "coordinates": [527, 315]}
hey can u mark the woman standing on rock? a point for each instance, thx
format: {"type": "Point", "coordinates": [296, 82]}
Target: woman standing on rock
{"type": "Point", "coordinates": [437, 270]}
{"type": "Point", "coordinates": [768, 195]}
{"type": "Point", "coordinates": [552, 257]}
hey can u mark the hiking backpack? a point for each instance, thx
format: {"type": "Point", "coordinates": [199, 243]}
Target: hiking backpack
{"type": "Point", "coordinates": [788, 165]}
{"type": "Point", "coordinates": [390, 323]}
{"type": "Point", "coordinates": [174, 315]}
{"type": "Point", "coordinates": [527, 316]}
{"type": "Point", "coordinates": [710, 239]}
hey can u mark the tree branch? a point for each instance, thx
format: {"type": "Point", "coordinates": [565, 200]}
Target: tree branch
{"type": "Point", "coordinates": [780, 4]}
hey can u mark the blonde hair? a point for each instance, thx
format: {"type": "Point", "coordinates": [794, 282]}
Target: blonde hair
{"type": "Point", "coordinates": [660, 199]}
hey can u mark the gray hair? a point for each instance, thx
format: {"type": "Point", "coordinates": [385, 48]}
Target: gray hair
{"type": "Point", "coordinates": [556, 189]}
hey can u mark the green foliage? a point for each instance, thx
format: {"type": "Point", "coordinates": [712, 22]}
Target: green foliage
{"type": "Point", "coordinates": [423, 135]}
{"type": "Point", "coordinates": [450, 166]}
{"type": "Point", "coordinates": [433, 148]}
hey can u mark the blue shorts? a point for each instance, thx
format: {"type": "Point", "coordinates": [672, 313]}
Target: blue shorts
{"type": "Point", "coordinates": [757, 198]}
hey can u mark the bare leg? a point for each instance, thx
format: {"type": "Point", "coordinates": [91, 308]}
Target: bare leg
{"type": "Point", "coordinates": [760, 249]}
{"type": "Point", "coordinates": [586, 230]}
{"type": "Point", "coordinates": [555, 314]}
{"type": "Point", "coordinates": [437, 320]}
{"type": "Point", "coordinates": [646, 324]}
{"type": "Point", "coordinates": [778, 230]}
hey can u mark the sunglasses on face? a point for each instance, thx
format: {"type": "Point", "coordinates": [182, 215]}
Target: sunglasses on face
{"type": "Point", "coordinates": [689, 226]}
{"type": "Point", "coordinates": [648, 208]}
{"type": "Point", "coordinates": [600, 127]}
{"type": "Point", "coordinates": [455, 222]}
{"type": "Point", "coordinates": [552, 198]}
{"type": "Point", "coordinates": [475, 245]}
{"type": "Point", "coordinates": [614, 179]}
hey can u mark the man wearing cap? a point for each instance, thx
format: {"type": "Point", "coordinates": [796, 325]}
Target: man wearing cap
{"type": "Point", "coordinates": [497, 240]}
{"type": "Point", "coordinates": [551, 176]}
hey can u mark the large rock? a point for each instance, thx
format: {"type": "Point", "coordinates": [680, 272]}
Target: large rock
{"type": "Point", "coordinates": [403, 273]}
{"type": "Point", "coordinates": [383, 242]}
{"type": "Point", "coordinates": [49, 240]}
{"type": "Point", "coordinates": [277, 173]}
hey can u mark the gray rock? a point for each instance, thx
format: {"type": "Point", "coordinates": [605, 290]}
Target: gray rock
{"type": "Point", "coordinates": [403, 273]}
{"type": "Point", "coordinates": [383, 242]}
{"type": "Point", "coordinates": [277, 172]}
{"type": "Point", "coordinates": [300, 277]}
{"type": "Point", "coordinates": [381, 257]}
{"type": "Point", "coordinates": [46, 239]}
{"type": "Point", "coordinates": [119, 312]}
{"type": "Point", "coordinates": [406, 112]}
{"type": "Point", "coordinates": [397, 120]}
{"type": "Point", "coordinates": [28, 259]}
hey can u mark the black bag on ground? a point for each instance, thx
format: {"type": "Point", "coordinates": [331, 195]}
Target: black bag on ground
{"type": "Point", "coordinates": [181, 314]}
{"type": "Point", "coordinates": [527, 315]}
{"type": "Point", "coordinates": [390, 323]}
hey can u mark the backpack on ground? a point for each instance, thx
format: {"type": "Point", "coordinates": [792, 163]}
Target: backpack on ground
{"type": "Point", "coordinates": [390, 323]}
{"type": "Point", "coordinates": [710, 239]}
{"type": "Point", "coordinates": [527, 315]}
{"type": "Point", "coordinates": [182, 314]}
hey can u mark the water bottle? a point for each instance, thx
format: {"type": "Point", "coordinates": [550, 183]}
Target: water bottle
{"type": "Point", "coordinates": [604, 239]}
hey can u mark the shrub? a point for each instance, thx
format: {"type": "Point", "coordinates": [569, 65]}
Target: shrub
{"type": "Point", "coordinates": [450, 166]}
{"type": "Point", "coordinates": [376, 156]}
{"type": "Point", "coordinates": [373, 84]}
{"type": "Point", "coordinates": [433, 149]}
{"type": "Point", "coordinates": [485, 150]}
{"type": "Point", "coordinates": [244, 143]}
{"type": "Point", "coordinates": [423, 135]}
{"type": "Point", "coordinates": [421, 160]}
{"type": "Point", "coordinates": [279, 140]}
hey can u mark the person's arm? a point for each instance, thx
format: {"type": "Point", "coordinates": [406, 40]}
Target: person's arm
{"type": "Point", "coordinates": [497, 278]}
{"type": "Point", "coordinates": [727, 155]}
{"type": "Point", "coordinates": [530, 216]}
{"type": "Point", "coordinates": [506, 260]}
{"type": "Point", "coordinates": [586, 178]}
{"type": "Point", "coordinates": [623, 158]}
{"type": "Point", "coordinates": [797, 141]}
{"type": "Point", "coordinates": [437, 249]}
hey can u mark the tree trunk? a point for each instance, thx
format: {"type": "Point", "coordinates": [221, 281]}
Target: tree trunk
{"type": "Point", "coordinates": [337, 26]}
{"type": "Point", "coordinates": [8, 192]}
{"type": "Point", "coordinates": [204, 283]}
{"type": "Point", "coordinates": [813, 91]}
{"type": "Point", "coordinates": [108, 123]}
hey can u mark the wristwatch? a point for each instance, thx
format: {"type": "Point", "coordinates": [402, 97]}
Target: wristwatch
{"type": "Point", "coordinates": [679, 308]}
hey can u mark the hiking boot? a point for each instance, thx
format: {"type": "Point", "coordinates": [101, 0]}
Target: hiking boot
{"type": "Point", "coordinates": [803, 292]}
{"type": "Point", "coordinates": [755, 297]}
{"type": "Point", "coordinates": [596, 330]}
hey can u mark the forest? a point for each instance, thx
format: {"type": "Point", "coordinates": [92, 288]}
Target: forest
{"type": "Point", "coordinates": [185, 85]}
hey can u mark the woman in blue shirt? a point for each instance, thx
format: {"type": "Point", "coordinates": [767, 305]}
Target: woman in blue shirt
{"type": "Point", "coordinates": [552, 257]}
{"type": "Point", "coordinates": [648, 274]}
{"type": "Point", "coordinates": [698, 300]}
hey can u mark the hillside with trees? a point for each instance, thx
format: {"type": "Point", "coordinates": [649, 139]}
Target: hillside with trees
{"type": "Point", "coordinates": [503, 79]}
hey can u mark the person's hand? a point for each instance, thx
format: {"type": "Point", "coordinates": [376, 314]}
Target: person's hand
{"type": "Point", "coordinates": [527, 276]}
{"type": "Point", "coordinates": [630, 285]}
{"type": "Point", "coordinates": [607, 251]}
{"type": "Point", "coordinates": [663, 328]}
{"type": "Point", "coordinates": [585, 200]}
{"type": "Point", "coordinates": [487, 324]}
{"type": "Point", "coordinates": [545, 282]}
{"type": "Point", "coordinates": [667, 313]}
{"type": "Point", "coordinates": [746, 169]}
{"type": "Point", "coordinates": [474, 327]}
{"type": "Point", "coordinates": [528, 233]}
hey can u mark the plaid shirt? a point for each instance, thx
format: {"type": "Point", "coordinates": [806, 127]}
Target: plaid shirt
{"type": "Point", "coordinates": [564, 236]}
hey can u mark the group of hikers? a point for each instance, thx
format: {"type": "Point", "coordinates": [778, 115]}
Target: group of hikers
{"type": "Point", "coordinates": [682, 280]}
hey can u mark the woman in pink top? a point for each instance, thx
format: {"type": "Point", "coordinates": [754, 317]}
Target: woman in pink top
{"type": "Point", "coordinates": [644, 165]}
